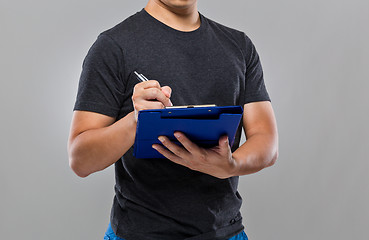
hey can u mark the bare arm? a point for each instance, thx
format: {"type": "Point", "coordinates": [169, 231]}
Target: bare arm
{"type": "Point", "coordinates": [261, 148]}
{"type": "Point", "coordinates": [97, 141]}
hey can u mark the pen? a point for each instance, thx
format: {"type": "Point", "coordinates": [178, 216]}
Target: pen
{"type": "Point", "coordinates": [141, 77]}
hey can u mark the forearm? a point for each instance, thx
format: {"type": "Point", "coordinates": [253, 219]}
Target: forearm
{"type": "Point", "coordinates": [258, 152]}
{"type": "Point", "coordinates": [96, 149]}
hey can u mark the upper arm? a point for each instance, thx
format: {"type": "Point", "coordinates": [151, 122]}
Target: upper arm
{"type": "Point", "coordinates": [258, 118]}
{"type": "Point", "coordinates": [84, 120]}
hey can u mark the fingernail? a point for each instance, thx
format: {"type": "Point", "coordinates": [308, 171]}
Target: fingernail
{"type": "Point", "coordinates": [154, 147]}
{"type": "Point", "coordinates": [161, 139]}
{"type": "Point", "coordinates": [177, 135]}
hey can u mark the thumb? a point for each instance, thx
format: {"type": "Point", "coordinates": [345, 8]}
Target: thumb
{"type": "Point", "coordinates": [224, 142]}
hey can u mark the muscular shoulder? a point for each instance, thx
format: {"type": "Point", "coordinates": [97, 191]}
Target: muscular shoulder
{"type": "Point", "coordinates": [122, 32]}
{"type": "Point", "coordinates": [237, 35]}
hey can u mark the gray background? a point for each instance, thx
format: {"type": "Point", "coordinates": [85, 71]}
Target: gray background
{"type": "Point", "coordinates": [315, 56]}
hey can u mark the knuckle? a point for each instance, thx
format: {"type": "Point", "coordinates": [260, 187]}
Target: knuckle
{"type": "Point", "coordinates": [193, 165]}
{"type": "Point", "coordinates": [155, 83]}
{"type": "Point", "coordinates": [136, 96]}
{"type": "Point", "coordinates": [138, 107]}
{"type": "Point", "coordinates": [137, 87]}
{"type": "Point", "coordinates": [203, 158]}
{"type": "Point", "coordinates": [153, 92]}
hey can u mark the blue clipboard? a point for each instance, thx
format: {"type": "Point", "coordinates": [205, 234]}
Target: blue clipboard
{"type": "Point", "coordinates": [202, 125]}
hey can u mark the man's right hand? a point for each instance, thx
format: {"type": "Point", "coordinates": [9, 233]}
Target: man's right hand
{"type": "Point", "coordinates": [149, 95]}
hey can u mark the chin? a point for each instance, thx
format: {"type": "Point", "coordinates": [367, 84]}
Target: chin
{"type": "Point", "coordinates": [179, 4]}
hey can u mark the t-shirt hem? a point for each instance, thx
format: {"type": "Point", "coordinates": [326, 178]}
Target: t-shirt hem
{"type": "Point", "coordinates": [221, 233]}
{"type": "Point", "coordinates": [257, 98]}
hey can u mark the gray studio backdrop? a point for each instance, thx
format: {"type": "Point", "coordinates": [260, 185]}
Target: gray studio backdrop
{"type": "Point", "coordinates": [316, 59]}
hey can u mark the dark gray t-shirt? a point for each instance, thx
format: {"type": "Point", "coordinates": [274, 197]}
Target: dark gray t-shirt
{"type": "Point", "coordinates": [155, 198]}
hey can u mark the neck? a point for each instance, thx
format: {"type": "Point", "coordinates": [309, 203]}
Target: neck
{"type": "Point", "coordinates": [180, 18]}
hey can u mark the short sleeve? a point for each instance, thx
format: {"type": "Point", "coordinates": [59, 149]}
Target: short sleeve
{"type": "Point", "coordinates": [255, 90]}
{"type": "Point", "coordinates": [101, 87]}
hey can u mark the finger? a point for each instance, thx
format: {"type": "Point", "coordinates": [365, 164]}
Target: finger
{"type": "Point", "coordinates": [167, 91]}
{"type": "Point", "coordinates": [166, 153]}
{"type": "Point", "coordinates": [148, 105]}
{"type": "Point", "coordinates": [223, 140]}
{"type": "Point", "coordinates": [150, 90]}
{"type": "Point", "coordinates": [140, 93]}
{"type": "Point", "coordinates": [187, 143]}
{"type": "Point", "coordinates": [224, 144]}
{"type": "Point", "coordinates": [156, 94]}
{"type": "Point", "coordinates": [139, 87]}
{"type": "Point", "coordinates": [150, 84]}
{"type": "Point", "coordinates": [174, 148]}
{"type": "Point", "coordinates": [165, 96]}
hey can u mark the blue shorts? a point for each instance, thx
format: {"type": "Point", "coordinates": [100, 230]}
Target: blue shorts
{"type": "Point", "coordinates": [110, 235]}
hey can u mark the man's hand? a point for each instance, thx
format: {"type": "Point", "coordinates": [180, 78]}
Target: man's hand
{"type": "Point", "coordinates": [258, 152]}
{"type": "Point", "coordinates": [216, 161]}
{"type": "Point", "coordinates": [149, 95]}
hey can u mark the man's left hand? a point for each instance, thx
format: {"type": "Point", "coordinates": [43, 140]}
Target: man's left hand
{"type": "Point", "coordinates": [216, 161]}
